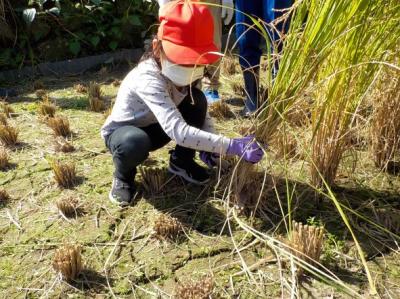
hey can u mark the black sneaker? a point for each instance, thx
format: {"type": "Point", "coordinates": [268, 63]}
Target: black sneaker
{"type": "Point", "coordinates": [188, 169]}
{"type": "Point", "coordinates": [121, 193]}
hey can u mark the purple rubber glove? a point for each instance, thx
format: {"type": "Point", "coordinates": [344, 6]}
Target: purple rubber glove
{"type": "Point", "coordinates": [247, 148]}
{"type": "Point", "coordinates": [210, 159]}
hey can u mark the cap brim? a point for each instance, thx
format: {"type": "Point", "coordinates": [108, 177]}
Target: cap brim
{"type": "Point", "coordinates": [190, 56]}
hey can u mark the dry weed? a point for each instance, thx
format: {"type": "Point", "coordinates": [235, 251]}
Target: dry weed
{"type": "Point", "coordinates": [46, 108]}
{"type": "Point", "coordinates": [8, 135]}
{"type": "Point", "coordinates": [69, 206]}
{"type": "Point", "coordinates": [4, 158]}
{"type": "Point", "coordinates": [4, 197]}
{"type": "Point", "coordinates": [41, 94]}
{"type": "Point", "coordinates": [306, 243]}
{"type": "Point", "coordinates": [167, 227]}
{"type": "Point", "coordinates": [237, 87]}
{"type": "Point", "coordinates": [94, 90]}
{"type": "Point", "coordinates": [154, 179]}
{"type": "Point", "coordinates": [201, 289]}
{"type": "Point", "coordinates": [60, 126]}
{"type": "Point", "coordinates": [96, 101]}
{"type": "Point", "coordinates": [220, 110]}
{"type": "Point", "coordinates": [80, 88]}
{"type": "Point", "coordinates": [3, 119]}
{"type": "Point", "coordinates": [62, 145]}
{"type": "Point", "coordinates": [7, 109]}
{"type": "Point", "coordinates": [64, 173]}
{"type": "Point", "coordinates": [96, 104]}
{"type": "Point", "coordinates": [68, 261]}
{"type": "Point", "coordinates": [229, 66]}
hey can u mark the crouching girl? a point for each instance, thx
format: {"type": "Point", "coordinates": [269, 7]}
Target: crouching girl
{"type": "Point", "coordinates": [157, 103]}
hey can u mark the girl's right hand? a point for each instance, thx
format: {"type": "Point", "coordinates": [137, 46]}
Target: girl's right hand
{"type": "Point", "coordinates": [246, 147]}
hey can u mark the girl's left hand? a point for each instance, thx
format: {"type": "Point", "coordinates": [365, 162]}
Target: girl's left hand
{"type": "Point", "coordinates": [210, 159]}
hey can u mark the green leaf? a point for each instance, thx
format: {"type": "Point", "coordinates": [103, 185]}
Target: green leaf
{"type": "Point", "coordinates": [113, 45]}
{"type": "Point", "coordinates": [135, 20]}
{"type": "Point", "coordinates": [94, 40]}
{"type": "Point", "coordinates": [75, 47]}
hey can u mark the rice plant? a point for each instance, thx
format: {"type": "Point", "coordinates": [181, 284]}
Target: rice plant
{"type": "Point", "coordinates": [4, 158]}
{"type": "Point", "coordinates": [60, 126]}
{"type": "Point", "coordinates": [80, 88]}
{"type": "Point", "coordinates": [8, 135]}
{"type": "Point", "coordinates": [192, 289]}
{"type": "Point", "coordinates": [69, 206]}
{"type": "Point", "coordinates": [62, 145]}
{"type": "Point", "coordinates": [167, 227]}
{"type": "Point", "coordinates": [95, 96]}
{"type": "Point", "coordinates": [64, 173]}
{"type": "Point", "coordinates": [41, 94]}
{"type": "Point", "coordinates": [68, 261]}
{"type": "Point", "coordinates": [7, 109]}
{"type": "Point", "coordinates": [220, 110]}
{"type": "Point", "coordinates": [3, 119]}
{"type": "Point", "coordinates": [4, 197]}
{"type": "Point", "coordinates": [46, 108]}
{"type": "Point", "coordinates": [153, 179]}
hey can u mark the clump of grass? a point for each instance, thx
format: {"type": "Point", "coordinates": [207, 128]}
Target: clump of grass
{"type": "Point", "coordinates": [385, 123]}
{"type": "Point", "coordinates": [4, 158]}
{"type": "Point", "coordinates": [41, 94]}
{"type": "Point", "coordinates": [68, 261]}
{"type": "Point", "coordinates": [284, 144]}
{"type": "Point", "coordinates": [167, 227]}
{"type": "Point", "coordinates": [96, 102]}
{"type": "Point", "coordinates": [237, 87]}
{"type": "Point", "coordinates": [247, 129]}
{"type": "Point", "coordinates": [4, 197]}
{"type": "Point", "coordinates": [60, 126]}
{"type": "Point", "coordinates": [64, 173]}
{"type": "Point", "coordinates": [201, 289]}
{"type": "Point", "coordinates": [3, 119]}
{"type": "Point", "coordinates": [220, 110]}
{"type": "Point", "coordinates": [7, 109]}
{"type": "Point", "coordinates": [38, 84]}
{"type": "Point", "coordinates": [8, 135]}
{"type": "Point", "coordinates": [62, 145]}
{"type": "Point", "coordinates": [69, 206]}
{"type": "Point", "coordinates": [154, 179]}
{"type": "Point", "coordinates": [46, 108]}
{"type": "Point", "coordinates": [80, 88]}
{"type": "Point", "coordinates": [229, 66]}
{"type": "Point", "coordinates": [306, 242]}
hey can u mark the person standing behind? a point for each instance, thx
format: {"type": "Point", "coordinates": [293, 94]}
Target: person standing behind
{"type": "Point", "coordinates": [223, 9]}
{"type": "Point", "coordinates": [249, 41]}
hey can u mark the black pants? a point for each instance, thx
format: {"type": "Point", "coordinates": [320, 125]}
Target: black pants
{"type": "Point", "coordinates": [131, 145]}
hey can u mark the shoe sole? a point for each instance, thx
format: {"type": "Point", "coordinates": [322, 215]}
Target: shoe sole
{"type": "Point", "coordinates": [120, 203]}
{"type": "Point", "coordinates": [184, 175]}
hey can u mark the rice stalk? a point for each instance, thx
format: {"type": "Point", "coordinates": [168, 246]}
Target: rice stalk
{"type": "Point", "coordinates": [385, 124]}
{"type": "Point", "coordinates": [62, 145]}
{"type": "Point", "coordinates": [64, 173]}
{"type": "Point", "coordinates": [80, 88]}
{"type": "Point", "coordinates": [4, 197]}
{"type": "Point", "coordinates": [4, 158]}
{"type": "Point", "coordinates": [69, 206]}
{"type": "Point", "coordinates": [7, 109]}
{"type": "Point", "coordinates": [200, 289]}
{"type": "Point", "coordinates": [3, 119]}
{"type": "Point", "coordinates": [41, 94]}
{"type": "Point", "coordinates": [68, 261]}
{"type": "Point", "coordinates": [229, 66]}
{"type": "Point", "coordinates": [46, 108]}
{"type": "Point", "coordinates": [220, 110]}
{"type": "Point", "coordinates": [60, 126]}
{"type": "Point", "coordinates": [95, 96]}
{"type": "Point", "coordinates": [8, 135]}
{"type": "Point", "coordinates": [167, 227]}
{"type": "Point", "coordinates": [153, 179]}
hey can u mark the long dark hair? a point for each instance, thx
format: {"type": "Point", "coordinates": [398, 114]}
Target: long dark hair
{"type": "Point", "coordinates": [150, 53]}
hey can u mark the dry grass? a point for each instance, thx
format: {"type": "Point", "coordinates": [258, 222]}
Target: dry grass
{"type": "Point", "coordinates": [62, 145]}
{"type": "Point", "coordinates": [306, 242]}
{"type": "Point", "coordinates": [3, 119]}
{"type": "Point", "coordinates": [41, 94]}
{"type": "Point", "coordinates": [96, 101]}
{"type": "Point", "coordinates": [167, 227]}
{"type": "Point", "coordinates": [4, 197]}
{"type": "Point", "coordinates": [284, 144]}
{"type": "Point", "coordinates": [237, 87]}
{"type": "Point", "coordinates": [220, 110]}
{"type": "Point", "coordinates": [8, 135]}
{"type": "Point", "coordinates": [60, 126]}
{"type": "Point", "coordinates": [94, 90]}
{"type": "Point", "coordinates": [46, 108]}
{"type": "Point", "coordinates": [68, 261]}
{"type": "Point", "coordinates": [7, 109]}
{"type": "Point", "coordinates": [153, 178]}
{"type": "Point", "coordinates": [201, 289]}
{"type": "Point", "coordinates": [64, 173]}
{"type": "Point", "coordinates": [69, 206]}
{"type": "Point", "coordinates": [385, 123]}
{"type": "Point", "coordinates": [80, 88]}
{"type": "Point", "coordinates": [230, 66]}
{"type": "Point", "coordinates": [4, 158]}
{"type": "Point", "coordinates": [38, 84]}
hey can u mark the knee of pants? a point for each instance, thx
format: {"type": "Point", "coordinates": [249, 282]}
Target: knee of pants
{"type": "Point", "coordinates": [194, 108]}
{"type": "Point", "coordinates": [133, 149]}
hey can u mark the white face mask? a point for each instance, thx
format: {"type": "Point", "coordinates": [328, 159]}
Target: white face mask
{"type": "Point", "coordinates": [181, 75]}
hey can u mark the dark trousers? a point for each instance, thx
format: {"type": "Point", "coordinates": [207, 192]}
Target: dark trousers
{"type": "Point", "coordinates": [130, 145]}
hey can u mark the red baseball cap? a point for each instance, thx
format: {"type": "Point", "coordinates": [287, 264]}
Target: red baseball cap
{"type": "Point", "coordinates": [187, 33]}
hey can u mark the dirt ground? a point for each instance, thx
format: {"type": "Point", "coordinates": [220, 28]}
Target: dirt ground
{"type": "Point", "coordinates": [123, 258]}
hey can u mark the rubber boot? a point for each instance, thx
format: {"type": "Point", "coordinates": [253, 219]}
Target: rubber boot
{"type": "Point", "coordinates": [251, 87]}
